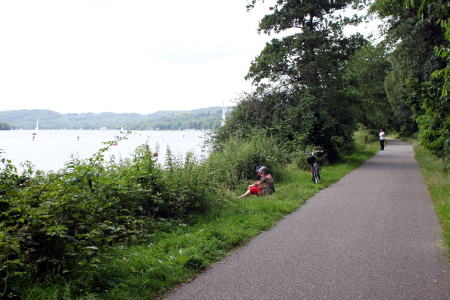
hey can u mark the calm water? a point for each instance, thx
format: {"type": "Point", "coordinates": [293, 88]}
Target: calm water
{"type": "Point", "coordinates": [52, 148]}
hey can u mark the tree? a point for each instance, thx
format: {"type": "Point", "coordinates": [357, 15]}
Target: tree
{"type": "Point", "coordinates": [415, 32]}
{"type": "Point", "coordinates": [301, 75]}
{"type": "Point", "coordinates": [435, 122]}
{"type": "Point", "coordinates": [365, 76]}
{"type": "Point", "coordinates": [397, 94]}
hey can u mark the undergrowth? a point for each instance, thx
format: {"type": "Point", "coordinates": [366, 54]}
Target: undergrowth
{"type": "Point", "coordinates": [437, 179]}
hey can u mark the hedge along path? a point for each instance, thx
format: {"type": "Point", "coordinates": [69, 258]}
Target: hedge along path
{"type": "Point", "coordinates": [372, 235]}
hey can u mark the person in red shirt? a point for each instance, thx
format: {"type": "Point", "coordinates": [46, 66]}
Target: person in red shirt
{"type": "Point", "coordinates": [264, 186]}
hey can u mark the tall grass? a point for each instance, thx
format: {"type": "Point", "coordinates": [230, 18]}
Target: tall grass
{"type": "Point", "coordinates": [237, 158]}
{"type": "Point", "coordinates": [168, 258]}
{"type": "Point", "coordinates": [54, 223]}
{"type": "Point", "coordinates": [437, 179]}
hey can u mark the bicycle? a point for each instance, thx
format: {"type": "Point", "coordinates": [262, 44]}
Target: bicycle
{"type": "Point", "coordinates": [314, 166]}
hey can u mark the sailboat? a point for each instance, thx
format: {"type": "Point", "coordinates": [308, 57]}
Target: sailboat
{"type": "Point", "coordinates": [224, 118]}
{"type": "Point", "coordinates": [35, 132]}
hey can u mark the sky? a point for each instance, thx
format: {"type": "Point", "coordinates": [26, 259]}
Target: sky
{"type": "Point", "coordinates": [125, 56]}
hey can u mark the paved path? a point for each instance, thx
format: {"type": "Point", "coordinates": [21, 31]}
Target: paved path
{"type": "Point", "coordinates": [372, 235]}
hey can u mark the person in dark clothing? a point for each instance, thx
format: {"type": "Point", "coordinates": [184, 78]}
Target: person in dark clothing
{"type": "Point", "coordinates": [381, 135]}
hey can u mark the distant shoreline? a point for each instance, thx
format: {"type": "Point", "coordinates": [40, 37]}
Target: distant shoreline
{"type": "Point", "coordinates": [109, 129]}
{"type": "Point", "coordinates": [199, 119]}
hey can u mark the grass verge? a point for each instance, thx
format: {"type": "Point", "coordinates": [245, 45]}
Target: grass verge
{"type": "Point", "coordinates": [169, 258]}
{"type": "Point", "coordinates": [437, 180]}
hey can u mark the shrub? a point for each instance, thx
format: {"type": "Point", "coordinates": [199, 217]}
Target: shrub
{"type": "Point", "coordinates": [53, 222]}
{"type": "Point", "coordinates": [366, 135]}
{"type": "Point", "coordinates": [237, 158]}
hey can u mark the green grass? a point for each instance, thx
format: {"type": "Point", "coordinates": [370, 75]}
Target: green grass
{"type": "Point", "coordinates": [437, 180]}
{"type": "Point", "coordinates": [169, 258]}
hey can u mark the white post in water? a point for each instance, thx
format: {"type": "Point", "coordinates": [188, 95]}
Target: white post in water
{"type": "Point", "coordinates": [223, 116]}
{"type": "Point", "coordinates": [35, 132]}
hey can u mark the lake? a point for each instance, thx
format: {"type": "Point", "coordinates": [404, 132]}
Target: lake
{"type": "Point", "coordinates": [51, 149]}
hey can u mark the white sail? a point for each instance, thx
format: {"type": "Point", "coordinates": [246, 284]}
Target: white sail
{"type": "Point", "coordinates": [35, 132]}
{"type": "Point", "coordinates": [223, 116]}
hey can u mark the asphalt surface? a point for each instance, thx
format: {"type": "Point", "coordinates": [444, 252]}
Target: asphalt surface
{"type": "Point", "coordinates": [372, 235]}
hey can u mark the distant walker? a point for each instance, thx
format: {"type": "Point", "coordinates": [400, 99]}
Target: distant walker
{"type": "Point", "coordinates": [381, 135]}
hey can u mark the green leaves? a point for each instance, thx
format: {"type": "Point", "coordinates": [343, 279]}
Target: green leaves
{"type": "Point", "coordinates": [53, 223]}
{"type": "Point", "coordinates": [365, 75]}
{"type": "Point", "coordinates": [288, 14]}
{"type": "Point", "coordinates": [438, 9]}
{"type": "Point", "coordinates": [418, 85]}
{"type": "Point", "coordinates": [444, 53]}
{"type": "Point", "coordinates": [301, 78]}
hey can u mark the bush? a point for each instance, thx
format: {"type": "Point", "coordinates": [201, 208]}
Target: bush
{"type": "Point", "coordinates": [237, 158]}
{"type": "Point", "coordinates": [294, 118]}
{"type": "Point", "coordinates": [366, 135]}
{"type": "Point", "coordinates": [435, 134]}
{"type": "Point", "coordinates": [53, 222]}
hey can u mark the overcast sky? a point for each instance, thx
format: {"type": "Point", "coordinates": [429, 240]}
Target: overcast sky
{"type": "Point", "coordinates": [125, 56]}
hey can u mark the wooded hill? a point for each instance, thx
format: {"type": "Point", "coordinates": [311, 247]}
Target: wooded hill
{"type": "Point", "coordinates": [204, 118]}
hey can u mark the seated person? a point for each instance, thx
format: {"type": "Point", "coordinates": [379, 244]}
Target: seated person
{"type": "Point", "coordinates": [262, 187]}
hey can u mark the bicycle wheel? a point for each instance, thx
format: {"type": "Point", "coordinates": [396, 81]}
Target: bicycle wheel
{"type": "Point", "coordinates": [316, 174]}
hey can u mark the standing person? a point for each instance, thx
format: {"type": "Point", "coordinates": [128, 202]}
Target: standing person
{"type": "Point", "coordinates": [381, 135]}
{"type": "Point", "coordinates": [264, 186]}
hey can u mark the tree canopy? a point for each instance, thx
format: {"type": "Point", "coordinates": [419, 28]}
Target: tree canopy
{"type": "Point", "coordinates": [315, 85]}
{"type": "Point", "coordinates": [301, 97]}
{"type": "Point", "coordinates": [417, 86]}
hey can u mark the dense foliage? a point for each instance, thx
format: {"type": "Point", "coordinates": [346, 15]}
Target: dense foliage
{"type": "Point", "coordinates": [301, 99]}
{"type": "Point", "coordinates": [315, 86]}
{"type": "Point", "coordinates": [237, 158]}
{"type": "Point", "coordinates": [417, 86]}
{"type": "Point", "coordinates": [53, 222]}
{"type": "Point", "coordinates": [365, 76]}
{"type": "Point", "coordinates": [205, 118]}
